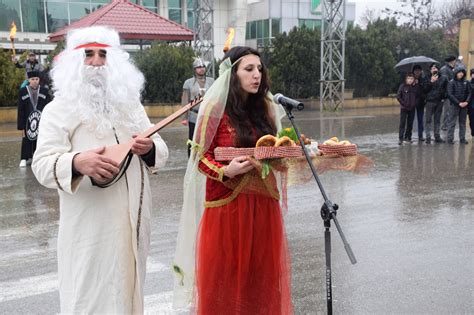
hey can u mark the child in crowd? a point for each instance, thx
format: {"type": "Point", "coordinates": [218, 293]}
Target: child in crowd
{"type": "Point", "coordinates": [407, 96]}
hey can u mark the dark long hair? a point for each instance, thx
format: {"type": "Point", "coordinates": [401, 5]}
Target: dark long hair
{"type": "Point", "coordinates": [254, 112]}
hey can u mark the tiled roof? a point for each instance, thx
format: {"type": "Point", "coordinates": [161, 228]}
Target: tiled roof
{"type": "Point", "coordinates": [132, 22]}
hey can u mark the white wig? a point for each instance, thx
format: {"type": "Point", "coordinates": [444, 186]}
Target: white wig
{"type": "Point", "coordinates": [117, 100]}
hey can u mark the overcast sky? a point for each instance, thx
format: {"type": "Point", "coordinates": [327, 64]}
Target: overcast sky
{"type": "Point", "coordinates": [379, 5]}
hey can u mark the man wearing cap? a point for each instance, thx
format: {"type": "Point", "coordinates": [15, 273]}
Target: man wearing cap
{"type": "Point", "coordinates": [448, 72]}
{"type": "Point", "coordinates": [104, 233]}
{"type": "Point", "coordinates": [30, 64]}
{"type": "Point", "coordinates": [31, 102]}
{"type": "Point", "coordinates": [197, 85]}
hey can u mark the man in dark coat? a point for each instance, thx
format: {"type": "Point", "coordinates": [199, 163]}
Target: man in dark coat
{"type": "Point", "coordinates": [447, 71]}
{"type": "Point", "coordinates": [459, 93]}
{"type": "Point", "coordinates": [435, 91]}
{"type": "Point", "coordinates": [31, 101]}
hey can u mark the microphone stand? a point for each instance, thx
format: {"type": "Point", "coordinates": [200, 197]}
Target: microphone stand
{"type": "Point", "coordinates": [328, 213]}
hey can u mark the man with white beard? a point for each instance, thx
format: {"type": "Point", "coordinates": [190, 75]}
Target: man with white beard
{"type": "Point", "coordinates": [103, 237]}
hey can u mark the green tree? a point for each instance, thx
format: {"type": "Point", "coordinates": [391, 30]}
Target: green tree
{"type": "Point", "coordinates": [10, 79]}
{"type": "Point", "coordinates": [165, 68]}
{"type": "Point", "coordinates": [294, 64]}
{"type": "Point", "coordinates": [370, 59]}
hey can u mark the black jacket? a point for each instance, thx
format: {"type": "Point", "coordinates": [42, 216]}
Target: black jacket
{"type": "Point", "coordinates": [25, 107]}
{"type": "Point", "coordinates": [435, 91]}
{"type": "Point", "coordinates": [459, 90]}
{"type": "Point", "coordinates": [407, 96]}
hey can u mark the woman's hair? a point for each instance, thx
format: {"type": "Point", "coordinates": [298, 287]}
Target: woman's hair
{"type": "Point", "coordinates": [253, 113]}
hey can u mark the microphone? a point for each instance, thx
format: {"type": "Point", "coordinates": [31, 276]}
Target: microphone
{"type": "Point", "coordinates": [287, 102]}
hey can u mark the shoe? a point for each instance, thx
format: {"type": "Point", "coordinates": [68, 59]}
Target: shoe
{"type": "Point", "coordinates": [439, 140]}
{"type": "Point", "coordinates": [407, 141]}
{"type": "Point", "coordinates": [29, 161]}
{"type": "Point", "coordinates": [428, 140]}
{"type": "Point", "coordinates": [450, 142]}
{"type": "Point", "coordinates": [421, 139]}
{"type": "Point", "coordinates": [23, 163]}
{"type": "Point", "coordinates": [400, 142]}
{"type": "Point", "coordinates": [463, 141]}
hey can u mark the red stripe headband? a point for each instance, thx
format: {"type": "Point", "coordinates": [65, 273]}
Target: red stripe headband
{"type": "Point", "coordinates": [90, 45]}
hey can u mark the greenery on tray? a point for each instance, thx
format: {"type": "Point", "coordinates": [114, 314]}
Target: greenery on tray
{"type": "Point", "coordinates": [290, 133]}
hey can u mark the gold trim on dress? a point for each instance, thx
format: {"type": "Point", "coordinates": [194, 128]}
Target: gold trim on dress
{"type": "Point", "coordinates": [214, 168]}
{"type": "Point", "coordinates": [235, 193]}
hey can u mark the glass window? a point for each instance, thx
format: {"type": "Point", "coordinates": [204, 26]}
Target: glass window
{"type": "Point", "coordinates": [190, 4]}
{"type": "Point", "coordinates": [104, 1]}
{"type": "Point", "coordinates": [9, 12]}
{"type": "Point", "coordinates": [253, 29]}
{"type": "Point", "coordinates": [150, 3]}
{"type": "Point", "coordinates": [152, 9]}
{"type": "Point", "coordinates": [275, 27]}
{"type": "Point", "coordinates": [266, 28]}
{"type": "Point", "coordinates": [33, 16]}
{"type": "Point", "coordinates": [78, 10]}
{"type": "Point", "coordinates": [175, 15]}
{"type": "Point", "coordinates": [57, 15]}
{"type": "Point", "coordinates": [191, 19]}
{"type": "Point", "coordinates": [174, 4]}
{"type": "Point", "coordinates": [259, 29]}
{"type": "Point", "coordinates": [95, 6]}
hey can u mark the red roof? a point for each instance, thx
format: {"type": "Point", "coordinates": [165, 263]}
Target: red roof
{"type": "Point", "coordinates": [131, 21]}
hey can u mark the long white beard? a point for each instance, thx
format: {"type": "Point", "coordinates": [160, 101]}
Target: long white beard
{"type": "Point", "coordinates": [97, 107]}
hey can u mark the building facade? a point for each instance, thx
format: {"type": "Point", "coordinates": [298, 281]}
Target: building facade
{"type": "Point", "coordinates": [255, 22]}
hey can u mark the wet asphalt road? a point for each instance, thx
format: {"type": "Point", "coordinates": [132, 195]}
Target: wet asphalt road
{"type": "Point", "coordinates": [409, 222]}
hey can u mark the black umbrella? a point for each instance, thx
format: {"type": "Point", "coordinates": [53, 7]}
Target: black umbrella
{"type": "Point", "coordinates": [406, 65]}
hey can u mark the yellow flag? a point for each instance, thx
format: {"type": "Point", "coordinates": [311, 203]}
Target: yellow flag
{"type": "Point", "coordinates": [230, 37]}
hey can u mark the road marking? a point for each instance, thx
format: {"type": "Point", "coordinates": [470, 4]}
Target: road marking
{"type": "Point", "coordinates": [48, 283]}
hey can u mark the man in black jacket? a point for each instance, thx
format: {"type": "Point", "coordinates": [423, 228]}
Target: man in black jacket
{"type": "Point", "coordinates": [435, 90]}
{"type": "Point", "coordinates": [459, 93]}
{"type": "Point", "coordinates": [31, 101]}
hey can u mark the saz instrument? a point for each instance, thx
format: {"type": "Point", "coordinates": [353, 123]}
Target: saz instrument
{"type": "Point", "coordinates": [122, 153]}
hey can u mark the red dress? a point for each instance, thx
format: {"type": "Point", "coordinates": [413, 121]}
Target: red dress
{"type": "Point", "coordinates": [242, 261]}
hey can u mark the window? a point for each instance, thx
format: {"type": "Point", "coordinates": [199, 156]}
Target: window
{"type": "Point", "coordinates": [9, 11]}
{"type": "Point", "coordinates": [260, 30]}
{"type": "Point", "coordinates": [190, 8]}
{"type": "Point", "coordinates": [78, 11]}
{"type": "Point", "coordinates": [57, 15]}
{"type": "Point", "coordinates": [311, 24]}
{"type": "Point", "coordinates": [174, 10]}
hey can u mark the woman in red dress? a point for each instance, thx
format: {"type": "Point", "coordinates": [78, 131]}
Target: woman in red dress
{"type": "Point", "coordinates": [242, 261]}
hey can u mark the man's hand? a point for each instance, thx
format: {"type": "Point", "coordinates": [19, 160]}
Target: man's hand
{"type": "Point", "coordinates": [184, 122]}
{"type": "Point", "coordinates": [434, 78]}
{"type": "Point", "coordinates": [463, 104]}
{"type": "Point", "coordinates": [141, 145]}
{"type": "Point", "coordinates": [91, 163]}
{"type": "Point", "coordinates": [237, 166]}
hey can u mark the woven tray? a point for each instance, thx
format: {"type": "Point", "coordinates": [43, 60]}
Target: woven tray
{"type": "Point", "coordinates": [343, 149]}
{"type": "Point", "coordinates": [229, 153]}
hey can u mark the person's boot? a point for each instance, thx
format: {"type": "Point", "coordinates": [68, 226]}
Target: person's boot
{"type": "Point", "coordinates": [438, 139]}
{"type": "Point", "coordinates": [428, 140]}
{"type": "Point", "coordinates": [463, 141]}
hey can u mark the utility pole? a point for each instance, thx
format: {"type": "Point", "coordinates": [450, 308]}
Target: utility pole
{"type": "Point", "coordinates": [333, 36]}
{"type": "Point", "coordinates": [203, 33]}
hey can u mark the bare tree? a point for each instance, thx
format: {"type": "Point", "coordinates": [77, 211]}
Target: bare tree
{"type": "Point", "coordinates": [451, 15]}
{"type": "Point", "coordinates": [368, 17]}
{"type": "Point", "coordinates": [416, 14]}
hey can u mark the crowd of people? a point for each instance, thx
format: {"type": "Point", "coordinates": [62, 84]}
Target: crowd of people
{"type": "Point", "coordinates": [440, 100]}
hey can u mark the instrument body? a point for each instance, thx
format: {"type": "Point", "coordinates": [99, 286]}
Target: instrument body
{"type": "Point", "coordinates": [122, 154]}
